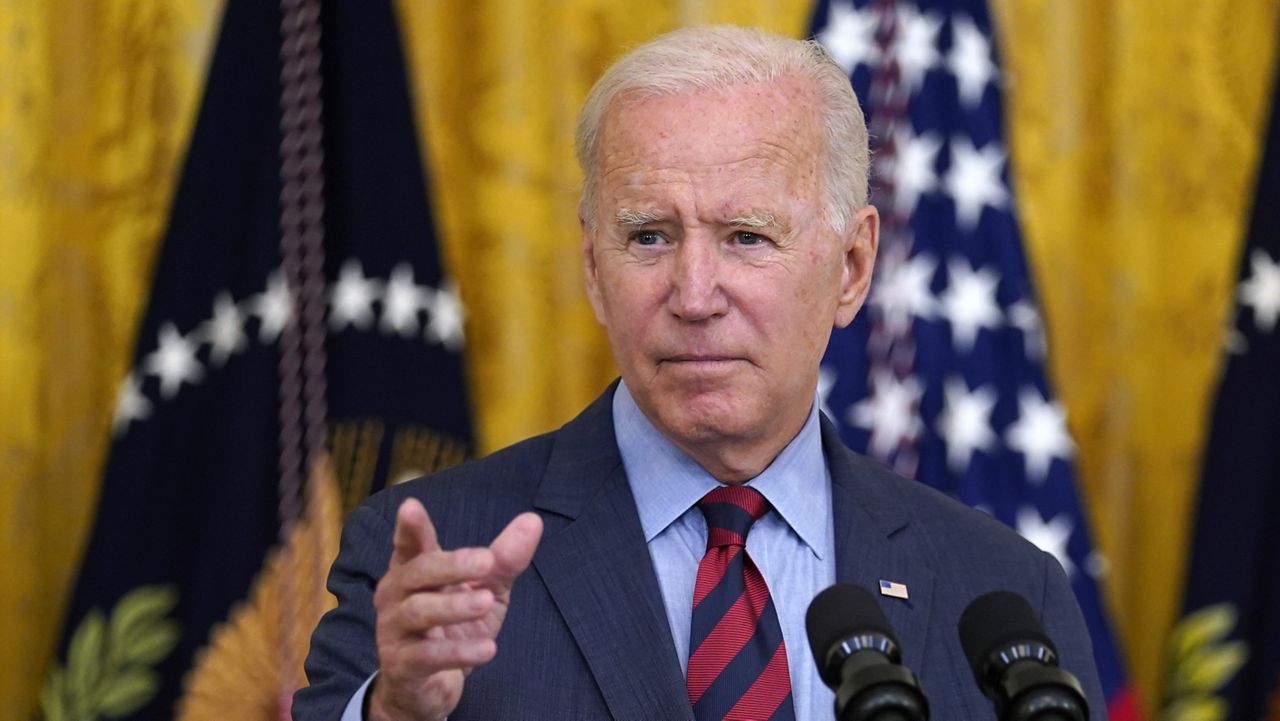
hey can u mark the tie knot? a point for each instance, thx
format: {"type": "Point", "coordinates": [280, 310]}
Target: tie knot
{"type": "Point", "coordinates": [730, 511]}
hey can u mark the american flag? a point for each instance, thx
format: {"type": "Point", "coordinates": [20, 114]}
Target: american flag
{"type": "Point", "coordinates": [942, 376]}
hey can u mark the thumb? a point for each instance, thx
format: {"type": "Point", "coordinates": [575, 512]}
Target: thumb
{"type": "Point", "coordinates": [414, 533]}
{"type": "Point", "coordinates": [513, 549]}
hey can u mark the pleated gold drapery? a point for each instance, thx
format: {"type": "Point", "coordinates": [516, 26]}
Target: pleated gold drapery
{"type": "Point", "coordinates": [1135, 129]}
{"type": "Point", "coordinates": [96, 102]}
{"type": "Point", "coordinates": [1134, 137]}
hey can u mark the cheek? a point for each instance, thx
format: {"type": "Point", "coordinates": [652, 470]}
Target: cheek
{"type": "Point", "coordinates": [810, 315]}
{"type": "Point", "coordinates": [631, 297]}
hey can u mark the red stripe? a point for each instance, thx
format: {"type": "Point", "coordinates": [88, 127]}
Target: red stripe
{"type": "Point", "coordinates": [724, 537]}
{"type": "Point", "coordinates": [1123, 706]}
{"type": "Point", "coordinates": [767, 693]}
{"type": "Point", "coordinates": [723, 643]}
{"type": "Point", "coordinates": [711, 570]}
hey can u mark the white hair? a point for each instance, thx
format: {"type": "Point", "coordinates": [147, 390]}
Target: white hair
{"type": "Point", "coordinates": [715, 58]}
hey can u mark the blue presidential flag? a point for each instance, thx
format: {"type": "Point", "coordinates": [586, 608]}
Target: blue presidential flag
{"type": "Point", "coordinates": [1224, 655]}
{"type": "Point", "coordinates": [209, 417]}
{"type": "Point", "coordinates": [942, 376]}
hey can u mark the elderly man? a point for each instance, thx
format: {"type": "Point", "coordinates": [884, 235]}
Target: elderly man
{"type": "Point", "coordinates": [653, 558]}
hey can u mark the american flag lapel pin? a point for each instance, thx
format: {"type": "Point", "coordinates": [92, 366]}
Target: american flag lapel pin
{"type": "Point", "coordinates": [893, 589]}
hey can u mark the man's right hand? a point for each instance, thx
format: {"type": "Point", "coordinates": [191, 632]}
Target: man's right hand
{"type": "Point", "coordinates": [439, 613]}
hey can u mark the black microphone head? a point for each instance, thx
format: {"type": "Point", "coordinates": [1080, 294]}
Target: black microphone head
{"type": "Point", "coordinates": [1015, 663]}
{"type": "Point", "coordinates": [996, 620]}
{"type": "Point", "coordinates": [837, 613]}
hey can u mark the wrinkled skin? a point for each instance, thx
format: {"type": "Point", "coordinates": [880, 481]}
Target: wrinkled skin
{"type": "Point", "coordinates": [712, 267]}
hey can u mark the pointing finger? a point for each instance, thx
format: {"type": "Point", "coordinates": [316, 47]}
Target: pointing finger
{"type": "Point", "coordinates": [414, 533]}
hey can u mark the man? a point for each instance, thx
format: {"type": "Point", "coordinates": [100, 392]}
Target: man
{"type": "Point", "coordinates": [601, 571]}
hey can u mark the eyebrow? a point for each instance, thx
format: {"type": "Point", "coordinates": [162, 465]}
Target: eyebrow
{"type": "Point", "coordinates": [763, 219]}
{"type": "Point", "coordinates": [627, 216]}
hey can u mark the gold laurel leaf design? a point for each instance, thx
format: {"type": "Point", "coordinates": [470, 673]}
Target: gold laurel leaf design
{"type": "Point", "coordinates": [1201, 708]}
{"type": "Point", "coordinates": [1211, 668]}
{"type": "Point", "coordinates": [1208, 625]}
{"type": "Point", "coordinates": [129, 692]}
{"type": "Point", "coordinates": [1202, 661]}
{"type": "Point", "coordinates": [253, 661]}
{"type": "Point", "coordinates": [52, 695]}
{"type": "Point", "coordinates": [109, 660]}
{"type": "Point", "coordinates": [137, 632]}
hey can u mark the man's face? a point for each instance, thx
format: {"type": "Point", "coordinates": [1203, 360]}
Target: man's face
{"type": "Point", "coordinates": [712, 266]}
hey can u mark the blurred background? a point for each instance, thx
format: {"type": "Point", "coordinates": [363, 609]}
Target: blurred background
{"type": "Point", "coordinates": [1135, 134]}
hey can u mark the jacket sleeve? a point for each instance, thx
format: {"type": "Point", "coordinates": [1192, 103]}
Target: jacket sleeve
{"type": "Point", "coordinates": [343, 651]}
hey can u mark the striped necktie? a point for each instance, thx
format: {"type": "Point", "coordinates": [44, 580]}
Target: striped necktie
{"type": "Point", "coordinates": [737, 659]}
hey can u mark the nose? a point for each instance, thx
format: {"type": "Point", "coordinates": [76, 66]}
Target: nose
{"type": "Point", "coordinates": [697, 293]}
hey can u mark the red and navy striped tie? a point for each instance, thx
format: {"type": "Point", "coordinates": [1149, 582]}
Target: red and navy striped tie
{"type": "Point", "coordinates": [737, 659]}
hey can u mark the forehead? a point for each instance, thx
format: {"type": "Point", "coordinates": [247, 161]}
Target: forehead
{"type": "Point", "coordinates": [753, 130]}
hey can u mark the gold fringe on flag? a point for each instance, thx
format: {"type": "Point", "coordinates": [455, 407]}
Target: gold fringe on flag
{"type": "Point", "coordinates": [237, 675]}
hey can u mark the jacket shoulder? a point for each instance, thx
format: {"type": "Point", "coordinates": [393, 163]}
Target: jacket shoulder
{"type": "Point", "coordinates": [954, 534]}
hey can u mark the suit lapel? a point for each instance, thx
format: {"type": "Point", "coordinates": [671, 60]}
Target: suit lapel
{"type": "Point", "coordinates": [597, 568]}
{"type": "Point", "coordinates": [874, 542]}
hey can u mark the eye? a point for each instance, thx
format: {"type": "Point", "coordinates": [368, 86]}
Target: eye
{"type": "Point", "coordinates": [746, 237]}
{"type": "Point", "coordinates": [646, 237]}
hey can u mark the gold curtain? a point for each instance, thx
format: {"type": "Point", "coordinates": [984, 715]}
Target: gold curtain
{"type": "Point", "coordinates": [1134, 139]}
{"type": "Point", "coordinates": [499, 85]}
{"type": "Point", "coordinates": [1135, 129]}
{"type": "Point", "coordinates": [96, 100]}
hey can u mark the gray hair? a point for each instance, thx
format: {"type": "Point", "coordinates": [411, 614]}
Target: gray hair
{"type": "Point", "coordinates": [714, 58]}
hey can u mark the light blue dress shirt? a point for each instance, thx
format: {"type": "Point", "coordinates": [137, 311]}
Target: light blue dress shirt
{"type": "Point", "coordinates": [793, 545]}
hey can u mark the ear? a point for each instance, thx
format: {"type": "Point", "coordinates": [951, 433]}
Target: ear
{"type": "Point", "coordinates": [591, 271]}
{"type": "Point", "coordinates": [859, 243]}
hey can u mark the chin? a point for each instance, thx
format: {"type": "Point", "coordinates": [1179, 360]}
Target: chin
{"type": "Point", "coordinates": [701, 420]}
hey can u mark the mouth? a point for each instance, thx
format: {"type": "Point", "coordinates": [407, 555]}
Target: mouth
{"type": "Point", "coordinates": [699, 361]}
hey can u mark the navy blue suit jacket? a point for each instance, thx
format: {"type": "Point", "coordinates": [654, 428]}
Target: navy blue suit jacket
{"type": "Point", "coordinates": [586, 636]}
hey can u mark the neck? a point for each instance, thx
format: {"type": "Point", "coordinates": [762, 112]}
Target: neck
{"type": "Point", "coordinates": [734, 461]}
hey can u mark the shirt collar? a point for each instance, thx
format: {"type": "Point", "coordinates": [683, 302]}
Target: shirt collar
{"type": "Point", "coordinates": [666, 482]}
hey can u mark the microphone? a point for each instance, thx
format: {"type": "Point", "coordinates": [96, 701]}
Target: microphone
{"type": "Point", "coordinates": [1015, 663]}
{"type": "Point", "coordinates": [857, 656]}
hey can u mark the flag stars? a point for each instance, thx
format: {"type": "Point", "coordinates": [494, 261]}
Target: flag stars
{"type": "Point", "coordinates": [1039, 434]}
{"type": "Point", "coordinates": [224, 331]}
{"type": "Point", "coordinates": [1023, 316]}
{"type": "Point", "coordinates": [902, 293]}
{"type": "Point", "coordinates": [274, 308]}
{"type": "Point", "coordinates": [969, 302]}
{"type": "Point", "coordinates": [850, 35]}
{"type": "Point", "coordinates": [403, 301]}
{"type": "Point", "coordinates": [890, 413]}
{"type": "Point", "coordinates": [916, 46]}
{"type": "Point", "coordinates": [973, 180]}
{"type": "Point", "coordinates": [351, 298]}
{"type": "Point", "coordinates": [1261, 291]}
{"type": "Point", "coordinates": [445, 324]}
{"type": "Point", "coordinates": [912, 167]}
{"type": "Point", "coordinates": [174, 361]}
{"type": "Point", "coordinates": [965, 422]}
{"type": "Point", "coordinates": [970, 60]}
{"type": "Point", "coordinates": [131, 405]}
{"type": "Point", "coordinates": [1049, 536]}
